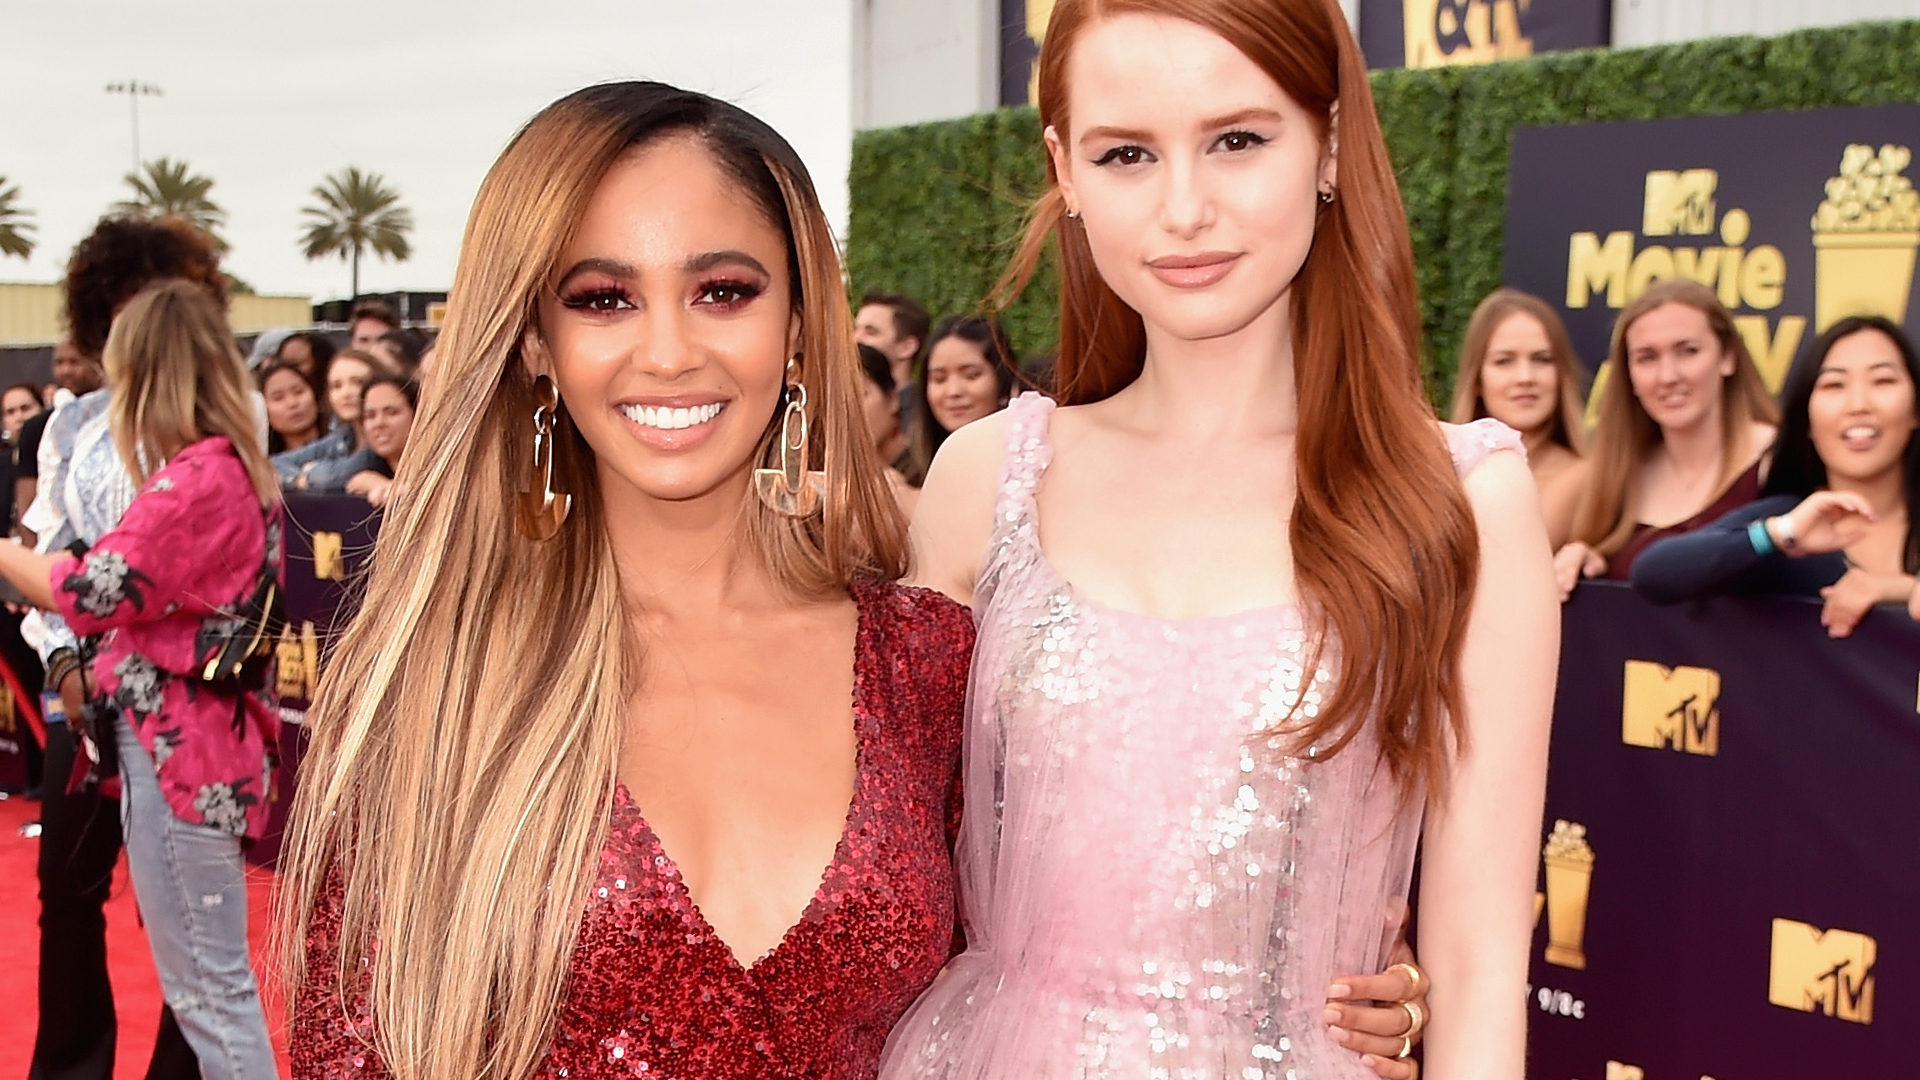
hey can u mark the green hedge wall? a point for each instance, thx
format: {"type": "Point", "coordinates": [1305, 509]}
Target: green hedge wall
{"type": "Point", "coordinates": [937, 208]}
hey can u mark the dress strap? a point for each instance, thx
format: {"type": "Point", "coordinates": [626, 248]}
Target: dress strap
{"type": "Point", "coordinates": [1474, 443]}
{"type": "Point", "coordinates": [1027, 454]}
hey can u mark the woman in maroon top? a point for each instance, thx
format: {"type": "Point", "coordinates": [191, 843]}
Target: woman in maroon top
{"type": "Point", "coordinates": [1685, 420]}
{"type": "Point", "coordinates": [629, 672]}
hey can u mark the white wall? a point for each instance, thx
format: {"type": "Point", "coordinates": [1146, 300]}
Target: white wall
{"type": "Point", "coordinates": [1656, 22]}
{"type": "Point", "coordinates": [918, 60]}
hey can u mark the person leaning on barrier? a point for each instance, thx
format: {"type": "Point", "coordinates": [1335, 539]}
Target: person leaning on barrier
{"type": "Point", "coordinates": [1684, 422]}
{"type": "Point", "coordinates": [387, 407]}
{"type": "Point", "coordinates": [295, 416]}
{"type": "Point", "coordinates": [1836, 518]}
{"type": "Point", "coordinates": [317, 465]}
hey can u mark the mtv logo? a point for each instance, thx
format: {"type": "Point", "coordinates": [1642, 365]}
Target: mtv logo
{"type": "Point", "coordinates": [1679, 202]}
{"type": "Point", "coordinates": [1666, 708]}
{"type": "Point", "coordinates": [328, 565]}
{"type": "Point", "coordinates": [1822, 971]}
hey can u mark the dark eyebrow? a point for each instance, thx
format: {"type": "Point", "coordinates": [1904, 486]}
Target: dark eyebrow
{"type": "Point", "coordinates": [610, 267]}
{"type": "Point", "coordinates": [1891, 365]}
{"type": "Point", "coordinates": [711, 259]}
{"type": "Point", "coordinates": [1241, 116]}
{"type": "Point", "coordinates": [1238, 116]}
{"type": "Point", "coordinates": [694, 265]}
{"type": "Point", "coordinates": [1104, 132]}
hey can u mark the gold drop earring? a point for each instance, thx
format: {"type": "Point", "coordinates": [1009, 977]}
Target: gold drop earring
{"type": "Point", "coordinates": [542, 510]}
{"type": "Point", "coordinates": [792, 490]}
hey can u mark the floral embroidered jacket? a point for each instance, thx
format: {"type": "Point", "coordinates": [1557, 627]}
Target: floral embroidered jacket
{"type": "Point", "coordinates": [186, 555]}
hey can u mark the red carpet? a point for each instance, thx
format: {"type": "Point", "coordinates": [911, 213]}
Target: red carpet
{"type": "Point", "coordinates": [136, 990]}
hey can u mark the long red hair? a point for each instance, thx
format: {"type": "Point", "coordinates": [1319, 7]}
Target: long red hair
{"type": "Point", "coordinates": [1384, 544]}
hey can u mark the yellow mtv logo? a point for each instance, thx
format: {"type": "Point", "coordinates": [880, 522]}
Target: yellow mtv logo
{"type": "Point", "coordinates": [1823, 971]}
{"type": "Point", "coordinates": [328, 565]}
{"type": "Point", "coordinates": [1671, 708]}
{"type": "Point", "coordinates": [1679, 202]}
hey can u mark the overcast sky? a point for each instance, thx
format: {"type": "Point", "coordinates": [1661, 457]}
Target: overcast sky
{"type": "Point", "coordinates": [268, 96]}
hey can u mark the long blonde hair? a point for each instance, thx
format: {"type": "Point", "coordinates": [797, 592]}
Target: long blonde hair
{"type": "Point", "coordinates": [1568, 426]}
{"type": "Point", "coordinates": [466, 734]}
{"type": "Point", "coordinates": [1625, 434]}
{"type": "Point", "coordinates": [177, 378]}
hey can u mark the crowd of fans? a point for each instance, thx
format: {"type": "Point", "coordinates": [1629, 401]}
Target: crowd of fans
{"type": "Point", "coordinates": [317, 395]}
{"type": "Point", "coordinates": [1694, 480]}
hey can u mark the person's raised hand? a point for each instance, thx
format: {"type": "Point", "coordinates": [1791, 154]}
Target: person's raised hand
{"type": "Point", "coordinates": [1375, 1015]}
{"type": "Point", "coordinates": [1573, 562]}
{"type": "Point", "coordinates": [1829, 521]}
{"type": "Point", "coordinates": [1848, 601]}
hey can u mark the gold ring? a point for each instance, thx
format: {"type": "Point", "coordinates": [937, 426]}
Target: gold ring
{"type": "Point", "coordinates": [1416, 1018]}
{"type": "Point", "coordinates": [1406, 1048]}
{"type": "Point", "coordinates": [1414, 975]}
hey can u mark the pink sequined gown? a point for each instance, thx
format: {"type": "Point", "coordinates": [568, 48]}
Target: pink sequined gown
{"type": "Point", "coordinates": [1150, 891]}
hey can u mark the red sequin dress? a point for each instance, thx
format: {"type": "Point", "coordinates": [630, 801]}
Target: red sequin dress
{"type": "Point", "coordinates": [654, 993]}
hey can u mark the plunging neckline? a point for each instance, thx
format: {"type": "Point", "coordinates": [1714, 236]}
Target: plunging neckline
{"type": "Point", "coordinates": [669, 869]}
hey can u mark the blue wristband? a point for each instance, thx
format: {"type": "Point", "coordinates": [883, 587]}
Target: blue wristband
{"type": "Point", "coordinates": [1760, 538]}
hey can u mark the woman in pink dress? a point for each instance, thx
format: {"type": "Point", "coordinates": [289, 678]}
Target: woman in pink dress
{"type": "Point", "coordinates": [1245, 608]}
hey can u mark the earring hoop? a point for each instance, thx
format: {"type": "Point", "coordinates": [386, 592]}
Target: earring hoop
{"type": "Point", "coordinates": [1326, 195]}
{"type": "Point", "coordinates": [792, 490]}
{"type": "Point", "coordinates": [542, 510]}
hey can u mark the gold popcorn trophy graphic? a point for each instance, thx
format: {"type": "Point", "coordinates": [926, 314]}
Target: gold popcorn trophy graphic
{"type": "Point", "coordinates": [1866, 235]}
{"type": "Point", "coordinates": [1569, 861]}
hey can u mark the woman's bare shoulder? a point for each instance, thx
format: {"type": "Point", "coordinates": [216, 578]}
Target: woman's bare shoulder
{"type": "Point", "coordinates": [953, 522]}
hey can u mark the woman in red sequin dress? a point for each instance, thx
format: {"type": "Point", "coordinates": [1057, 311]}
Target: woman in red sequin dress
{"type": "Point", "coordinates": [599, 658]}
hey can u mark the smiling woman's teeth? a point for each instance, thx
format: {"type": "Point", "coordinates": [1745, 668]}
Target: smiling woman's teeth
{"type": "Point", "coordinates": [669, 419]}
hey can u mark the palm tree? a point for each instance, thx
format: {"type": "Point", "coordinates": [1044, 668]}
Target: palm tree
{"type": "Point", "coordinates": [14, 226]}
{"type": "Point", "coordinates": [357, 212]}
{"type": "Point", "coordinates": [166, 188]}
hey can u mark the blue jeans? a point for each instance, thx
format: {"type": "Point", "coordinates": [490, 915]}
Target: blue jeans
{"type": "Point", "coordinates": [191, 884]}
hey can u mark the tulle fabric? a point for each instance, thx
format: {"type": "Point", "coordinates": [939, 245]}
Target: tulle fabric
{"type": "Point", "coordinates": [1149, 888]}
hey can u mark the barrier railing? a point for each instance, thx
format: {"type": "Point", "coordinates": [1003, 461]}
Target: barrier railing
{"type": "Point", "coordinates": [1731, 874]}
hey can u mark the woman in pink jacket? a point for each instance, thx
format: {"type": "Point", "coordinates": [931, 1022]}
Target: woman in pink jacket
{"type": "Point", "coordinates": [174, 601]}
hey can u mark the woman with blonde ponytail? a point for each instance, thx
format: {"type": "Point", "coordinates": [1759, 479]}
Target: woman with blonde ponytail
{"type": "Point", "coordinates": [636, 761]}
{"type": "Point", "coordinates": [1247, 611]}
